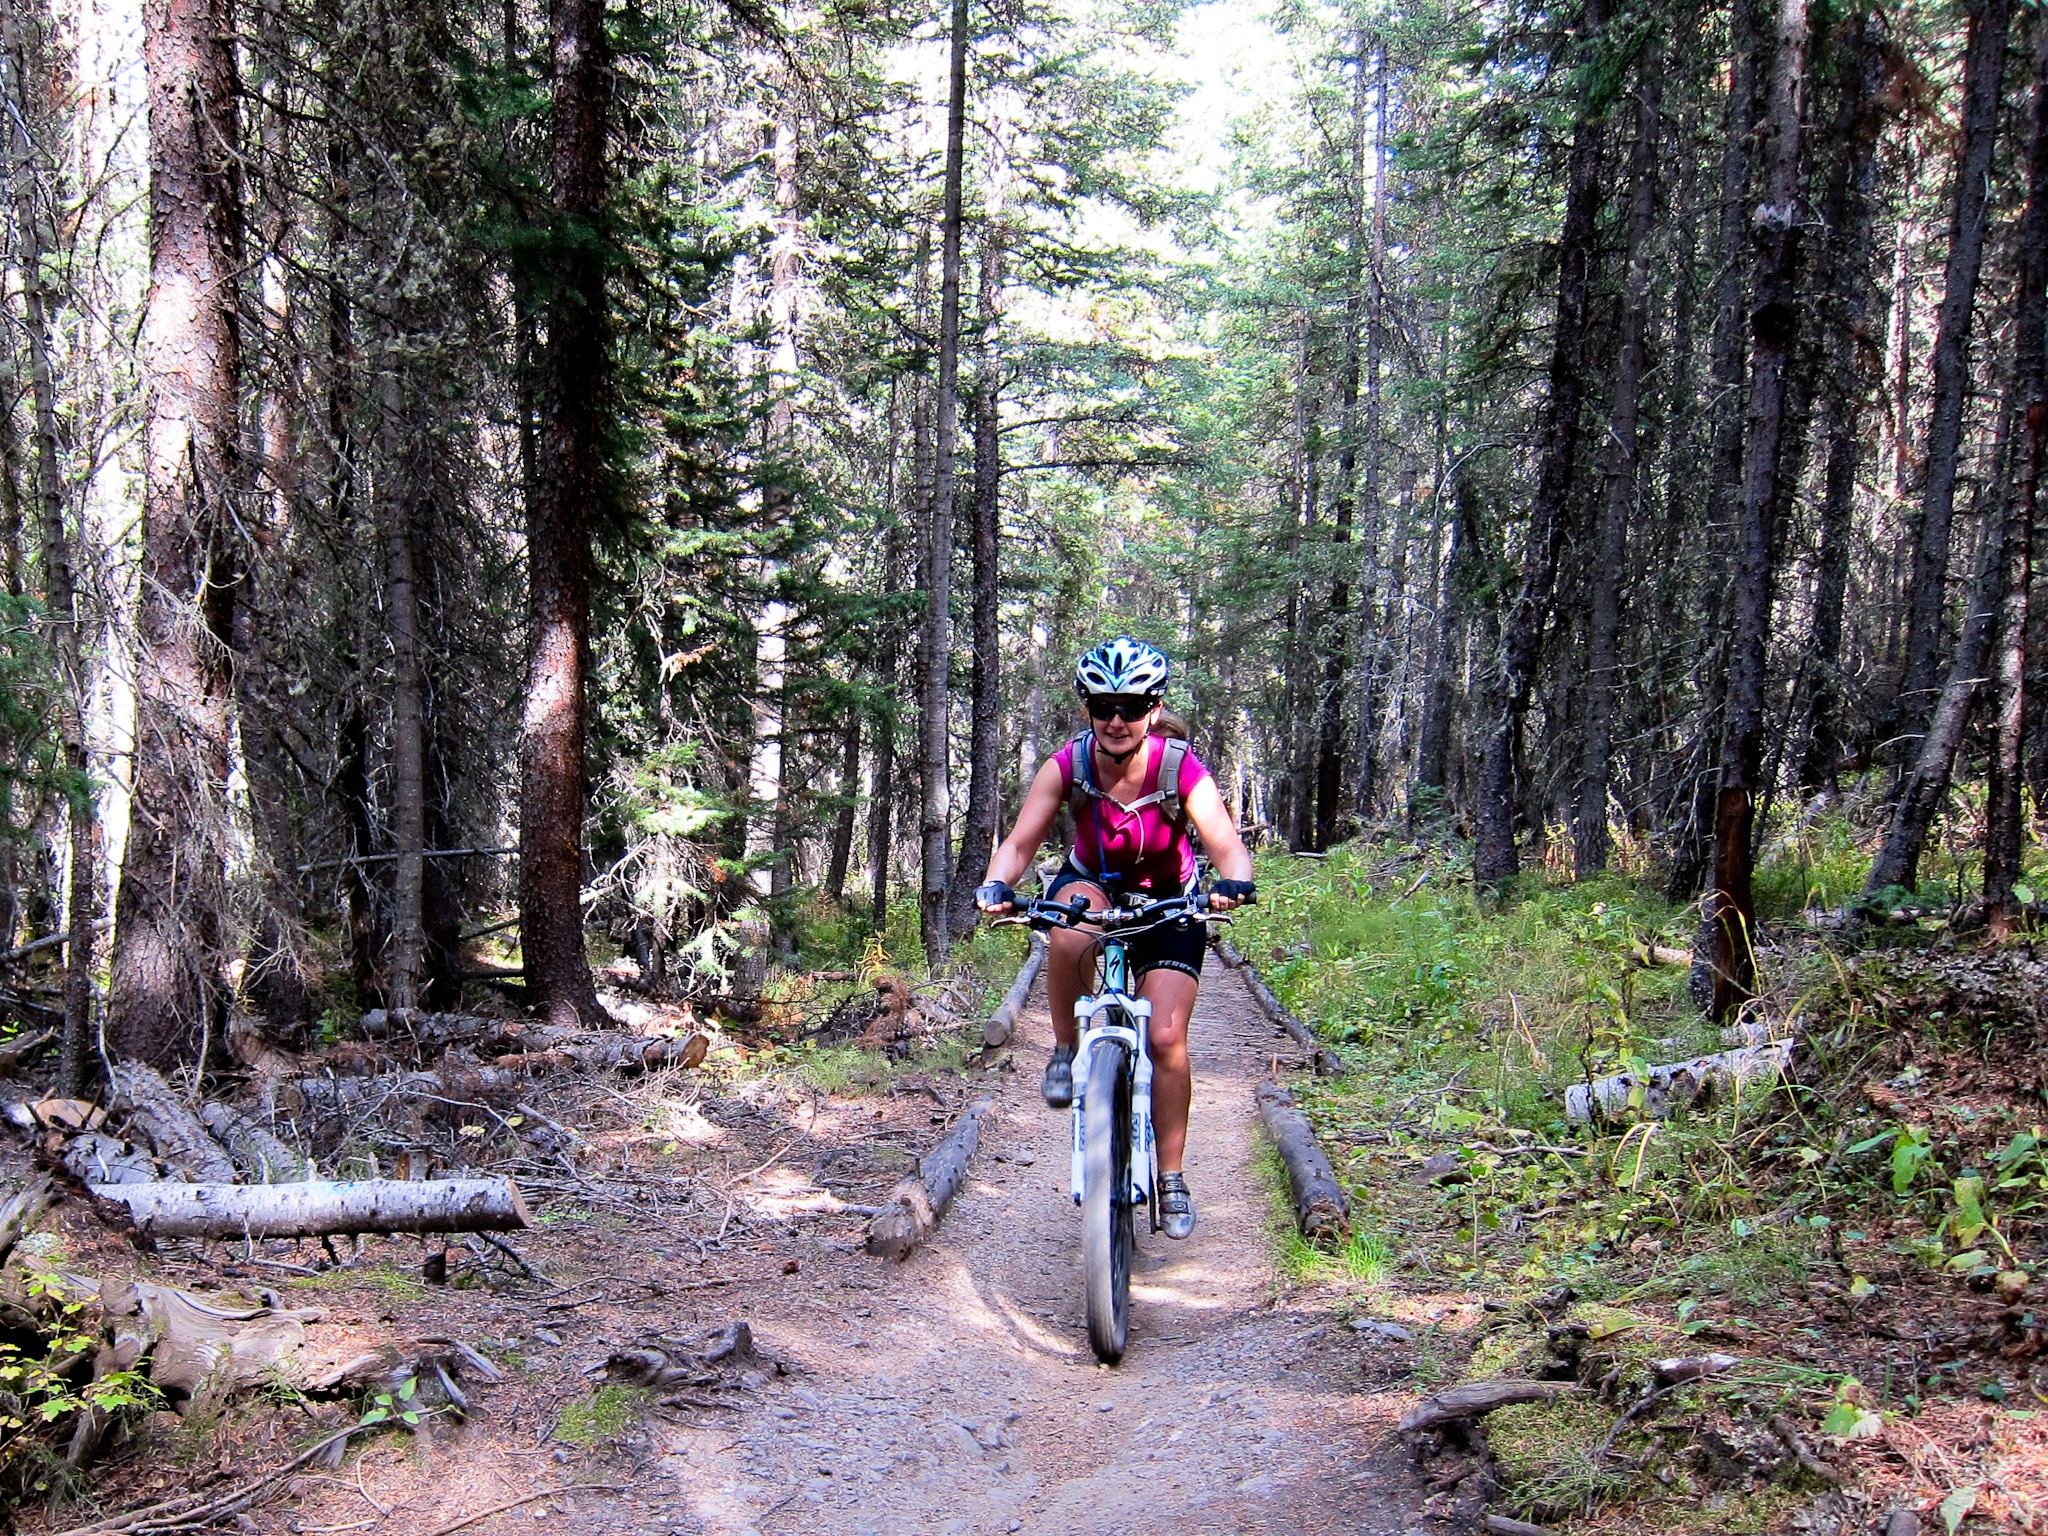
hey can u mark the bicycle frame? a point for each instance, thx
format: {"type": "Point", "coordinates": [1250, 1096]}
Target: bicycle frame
{"type": "Point", "coordinates": [1114, 1014]}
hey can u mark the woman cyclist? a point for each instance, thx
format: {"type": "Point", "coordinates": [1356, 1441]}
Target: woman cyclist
{"type": "Point", "coordinates": [1130, 837]}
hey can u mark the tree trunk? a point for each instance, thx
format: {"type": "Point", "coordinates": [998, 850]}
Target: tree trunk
{"type": "Point", "coordinates": [1336, 634]}
{"type": "Point", "coordinates": [1610, 538]}
{"type": "Point", "coordinates": [984, 756]}
{"type": "Point", "coordinates": [2004, 820]}
{"type": "Point", "coordinates": [935, 766]}
{"type": "Point", "coordinates": [559, 527]}
{"type": "Point", "coordinates": [849, 808]}
{"type": "Point", "coordinates": [1494, 858]}
{"type": "Point", "coordinates": [166, 984]}
{"type": "Point", "coordinates": [26, 40]}
{"type": "Point", "coordinates": [1775, 226]}
{"type": "Point", "coordinates": [405, 962]}
{"type": "Point", "coordinates": [1897, 865]}
{"type": "Point", "coordinates": [1365, 781]}
{"type": "Point", "coordinates": [1948, 404]}
{"type": "Point", "coordinates": [1849, 218]}
{"type": "Point", "coordinates": [1433, 748]}
{"type": "Point", "coordinates": [889, 665]}
{"type": "Point", "coordinates": [1694, 842]}
{"type": "Point", "coordinates": [276, 974]}
{"type": "Point", "coordinates": [1031, 739]}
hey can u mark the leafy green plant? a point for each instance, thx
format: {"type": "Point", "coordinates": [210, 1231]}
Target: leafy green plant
{"type": "Point", "coordinates": [38, 1390]}
{"type": "Point", "coordinates": [401, 1406]}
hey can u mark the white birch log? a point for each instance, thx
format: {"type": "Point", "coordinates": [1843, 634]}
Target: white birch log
{"type": "Point", "coordinates": [1002, 1024]}
{"type": "Point", "coordinates": [1677, 1084]}
{"type": "Point", "coordinates": [320, 1208]}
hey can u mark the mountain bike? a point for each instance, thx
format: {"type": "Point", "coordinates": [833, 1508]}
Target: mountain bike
{"type": "Point", "coordinates": [1115, 1163]}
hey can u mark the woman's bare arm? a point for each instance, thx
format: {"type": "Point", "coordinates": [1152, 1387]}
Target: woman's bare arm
{"type": "Point", "coordinates": [1012, 861]}
{"type": "Point", "coordinates": [1218, 827]}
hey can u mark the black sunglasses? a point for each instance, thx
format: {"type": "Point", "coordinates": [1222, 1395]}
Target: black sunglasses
{"type": "Point", "coordinates": [1121, 706]}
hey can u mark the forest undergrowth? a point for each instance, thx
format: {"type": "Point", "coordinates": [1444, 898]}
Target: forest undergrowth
{"type": "Point", "coordinates": [1861, 1242]}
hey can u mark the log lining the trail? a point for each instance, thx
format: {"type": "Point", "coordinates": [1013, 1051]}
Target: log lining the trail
{"type": "Point", "coordinates": [917, 1204]}
{"type": "Point", "coordinates": [1320, 1208]}
{"type": "Point", "coordinates": [320, 1208]}
{"type": "Point", "coordinates": [1002, 1024]}
{"type": "Point", "coordinates": [1327, 1062]}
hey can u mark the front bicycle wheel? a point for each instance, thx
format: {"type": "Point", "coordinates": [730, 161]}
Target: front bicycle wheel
{"type": "Point", "coordinates": [1106, 1212]}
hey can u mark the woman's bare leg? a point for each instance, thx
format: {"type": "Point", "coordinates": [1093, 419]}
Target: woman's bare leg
{"type": "Point", "coordinates": [1070, 966]}
{"type": "Point", "coordinates": [1172, 995]}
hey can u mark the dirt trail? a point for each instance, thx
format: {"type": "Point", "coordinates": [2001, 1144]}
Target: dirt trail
{"type": "Point", "coordinates": [960, 1395]}
{"type": "Point", "coordinates": [954, 1393]}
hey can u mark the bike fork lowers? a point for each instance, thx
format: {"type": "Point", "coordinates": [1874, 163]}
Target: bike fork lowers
{"type": "Point", "coordinates": [1125, 1021]}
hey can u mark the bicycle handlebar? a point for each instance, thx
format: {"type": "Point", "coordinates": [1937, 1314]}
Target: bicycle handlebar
{"type": "Point", "coordinates": [1040, 913]}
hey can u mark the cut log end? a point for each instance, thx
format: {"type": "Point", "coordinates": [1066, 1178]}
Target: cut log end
{"type": "Point", "coordinates": [1321, 1210]}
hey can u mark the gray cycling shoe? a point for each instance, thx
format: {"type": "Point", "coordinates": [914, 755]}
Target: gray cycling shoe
{"type": "Point", "coordinates": [1059, 1078]}
{"type": "Point", "coordinates": [1176, 1206]}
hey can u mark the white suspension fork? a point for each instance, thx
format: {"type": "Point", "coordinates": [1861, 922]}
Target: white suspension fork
{"type": "Point", "coordinates": [1092, 1014]}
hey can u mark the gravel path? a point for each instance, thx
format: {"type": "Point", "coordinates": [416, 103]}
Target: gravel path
{"type": "Point", "coordinates": [959, 1395]}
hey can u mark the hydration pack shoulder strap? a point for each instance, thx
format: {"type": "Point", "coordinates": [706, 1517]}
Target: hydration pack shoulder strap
{"type": "Point", "coordinates": [1082, 788]}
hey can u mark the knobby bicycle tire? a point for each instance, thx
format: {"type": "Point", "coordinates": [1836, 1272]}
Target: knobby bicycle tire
{"type": "Point", "coordinates": [1107, 1215]}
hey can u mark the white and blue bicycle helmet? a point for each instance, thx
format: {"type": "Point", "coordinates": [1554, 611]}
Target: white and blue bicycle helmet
{"type": "Point", "coordinates": [1122, 665]}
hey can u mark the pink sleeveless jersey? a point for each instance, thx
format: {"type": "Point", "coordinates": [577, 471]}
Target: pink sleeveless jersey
{"type": "Point", "coordinates": [1147, 851]}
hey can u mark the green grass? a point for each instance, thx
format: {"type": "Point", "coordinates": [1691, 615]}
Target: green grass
{"type": "Point", "coordinates": [602, 1417]}
{"type": "Point", "coordinates": [386, 1279]}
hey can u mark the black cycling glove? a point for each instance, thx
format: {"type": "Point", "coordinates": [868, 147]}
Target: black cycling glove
{"type": "Point", "coordinates": [1246, 891]}
{"type": "Point", "coordinates": [995, 894]}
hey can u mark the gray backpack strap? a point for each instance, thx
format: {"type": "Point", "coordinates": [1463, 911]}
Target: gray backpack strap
{"type": "Point", "coordinates": [1081, 788]}
{"type": "Point", "coordinates": [1170, 761]}
{"type": "Point", "coordinates": [1166, 795]}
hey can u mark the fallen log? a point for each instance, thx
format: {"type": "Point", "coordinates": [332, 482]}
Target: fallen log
{"type": "Point", "coordinates": [1002, 1024]}
{"type": "Point", "coordinates": [1678, 1084]}
{"type": "Point", "coordinates": [453, 1094]}
{"type": "Point", "coordinates": [262, 1158]}
{"type": "Point", "coordinates": [1478, 1398]}
{"type": "Point", "coordinates": [320, 1208]}
{"type": "Point", "coordinates": [916, 1205]}
{"type": "Point", "coordinates": [96, 1158]}
{"type": "Point", "coordinates": [1326, 1062]}
{"type": "Point", "coordinates": [174, 1133]}
{"type": "Point", "coordinates": [1320, 1209]}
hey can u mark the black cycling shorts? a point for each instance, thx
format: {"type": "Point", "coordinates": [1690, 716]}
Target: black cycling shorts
{"type": "Point", "coordinates": [1169, 947]}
